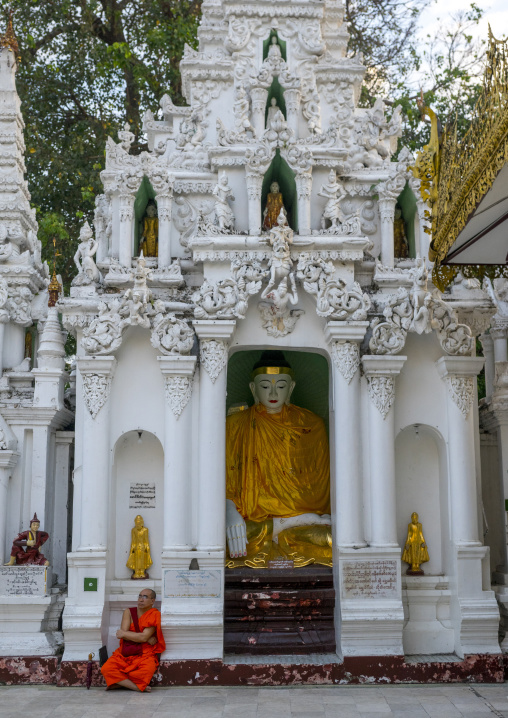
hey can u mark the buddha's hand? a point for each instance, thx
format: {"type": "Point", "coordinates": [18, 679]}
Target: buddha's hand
{"type": "Point", "coordinates": [280, 524]}
{"type": "Point", "coordinates": [235, 531]}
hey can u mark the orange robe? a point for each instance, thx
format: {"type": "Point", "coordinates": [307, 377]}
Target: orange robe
{"type": "Point", "coordinates": [277, 464]}
{"type": "Point", "coordinates": [139, 669]}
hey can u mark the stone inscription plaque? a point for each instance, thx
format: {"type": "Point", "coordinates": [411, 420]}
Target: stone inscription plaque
{"type": "Point", "coordinates": [142, 496]}
{"type": "Point", "coordinates": [192, 584]}
{"type": "Point", "coordinates": [23, 580]}
{"type": "Point", "coordinates": [369, 579]}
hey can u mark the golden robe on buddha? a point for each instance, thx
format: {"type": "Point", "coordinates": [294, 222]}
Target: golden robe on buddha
{"type": "Point", "coordinates": [277, 464]}
{"type": "Point", "coordinates": [274, 204]}
{"type": "Point", "coordinates": [150, 238]}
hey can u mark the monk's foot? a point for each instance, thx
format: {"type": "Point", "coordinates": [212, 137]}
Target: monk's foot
{"type": "Point", "coordinates": [148, 689]}
{"type": "Point", "coordinates": [11, 561]}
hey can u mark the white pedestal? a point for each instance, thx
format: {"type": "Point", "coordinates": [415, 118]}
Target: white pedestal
{"type": "Point", "coordinates": [194, 625]}
{"type": "Point", "coordinates": [370, 601]}
{"type": "Point", "coordinates": [428, 628]}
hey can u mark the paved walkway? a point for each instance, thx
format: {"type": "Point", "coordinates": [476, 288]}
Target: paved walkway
{"type": "Point", "coordinates": [403, 701]}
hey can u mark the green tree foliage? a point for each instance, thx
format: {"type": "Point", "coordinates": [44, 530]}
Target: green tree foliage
{"type": "Point", "coordinates": [87, 66]}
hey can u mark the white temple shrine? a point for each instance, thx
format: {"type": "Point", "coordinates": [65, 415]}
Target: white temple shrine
{"type": "Point", "coordinates": [279, 211]}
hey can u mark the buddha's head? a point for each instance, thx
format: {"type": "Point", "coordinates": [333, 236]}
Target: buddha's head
{"type": "Point", "coordinates": [138, 522]}
{"type": "Point", "coordinates": [274, 188]}
{"type": "Point", "coordinates": [272, 381]}
{"type": "Point", "coordinates": [414, 518]}
{"type": "Point", "coordinates": [150, 210]}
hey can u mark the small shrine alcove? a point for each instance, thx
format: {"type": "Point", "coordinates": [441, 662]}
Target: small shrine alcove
{"type": "Point", "coordinates": [137, 488]}
{"type": "Point", "coordinates": [278, 608]}
{"type": "Point", "coordinates": [145, 196]}
{"type": "Point", "coordinates": [406, 215]}
{"type": "Point", "coordinates": [279, 171]}
{"type": "Point", "coordinates": [281, 44]}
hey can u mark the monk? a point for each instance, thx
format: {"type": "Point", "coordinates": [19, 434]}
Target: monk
{"type": "Point", "coordinates": [135, 672]}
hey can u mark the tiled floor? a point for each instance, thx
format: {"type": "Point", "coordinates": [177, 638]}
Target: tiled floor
{"type": "Point", "coordinates": [403, 701]}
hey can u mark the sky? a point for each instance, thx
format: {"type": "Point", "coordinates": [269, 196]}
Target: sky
{"type": "Point", "coordinates": [495, 13]}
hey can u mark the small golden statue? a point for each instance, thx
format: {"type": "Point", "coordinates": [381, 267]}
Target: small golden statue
{"type": "Point", "coordinates": [139, 555]}
{"type": "Point", "coordinates": [415, 551]}
{"type": "Point", "coordinates": [400, 245]}
{"type": "Point", "coordinates": [274, 204]}
{"type": "Point", "coordinates": [149, 244]}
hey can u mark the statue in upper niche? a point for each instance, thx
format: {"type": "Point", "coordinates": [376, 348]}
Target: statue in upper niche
{"type": "Point", "coordinates": [274, 205]}
{"type": "Point", "coordinates": [274, 49]}
{"type": "Point", "coordinates": [87, 247]}
{"type": "Point", "coordinates": [400, 245]}
{"type": "Point", "coordinates": [272, 112]}
{"type": "Point", "coordinates": [277, 475]}
{"type": "Point", "coordinates": [149, 244]}
{"type": "Point", "coordinates": [223, 212]}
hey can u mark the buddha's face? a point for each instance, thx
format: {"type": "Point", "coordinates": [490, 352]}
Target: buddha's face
{"type": "Point", "coordinates": [150, 210]}
{"type": "Point", "coordinates": [414, 518]}
{"type": "Point", "coordinates": [138, 522]}
{"type": "Point", "coordinates": [274, 187]}
{"type": "Point", "coordinates": [272, 390]}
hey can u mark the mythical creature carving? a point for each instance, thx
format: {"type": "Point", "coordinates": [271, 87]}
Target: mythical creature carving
{"type": "Point", "coordinates": [228, 298]}
{"type": "Point", "coordinates": [171, 335]}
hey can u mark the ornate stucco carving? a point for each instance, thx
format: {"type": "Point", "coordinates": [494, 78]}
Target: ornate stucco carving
{"type": "Point", "coordinates": [178, 392]}
{"type": "Point", "coordinates": [346, 357]}
{"type": "Point", "coordinates": [461, 389]}
{"type": "Point", "coordinates": [214, 355]}
{"type": "Point", "coordinates": [382, 392]}
{"type": "Point", "coordinates": [96, 388]}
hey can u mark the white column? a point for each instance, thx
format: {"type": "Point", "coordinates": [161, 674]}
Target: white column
{"type": "Point", "coordinates": [214, 336]}
{"type": "Point", "coordinates": [459, 375]}
{"type": "Point", "coordinates": [381, 372]}
{"type": "Point", "coordinates": [500, 335]}
{"type": "Point", "coordinates": [125, 249]}
{"type": "Point", "coordinates": [488, 353]}
{"type": "Point", "coordinates": [345, 339]}
{"type": "Point", "coordinates": [8, 460]}
{"type": "Point", "coordinates": [40, 467]}
{"type": "Point", "coordinates": [424, 238]}
{"type": "Point", "coordinates": [164, 203]}
{"type": "Point", "coordinates": [303, 188]}
{"type": "Point", "coordinates": [2, 331]}
{"type": "Point", "coordinates": [63, 444]}
{"type": "Point", "coordinates": [254, 183]}
{"type": "Point", "coordinates": [97, 374]}
{"type": "Point", "coordinates": [178, 373]}
{"type": "Point", "coordinates": [292, 99]}
{"type": "Point", "coordinates": [387, 213]}
{"type": "Point", "coordinates": [259, 96]}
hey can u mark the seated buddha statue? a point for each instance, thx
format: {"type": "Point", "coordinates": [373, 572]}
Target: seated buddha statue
{"type": "Point", "coordinates": [274, 205]}
{"type": "Point", "coordinates": [149, 244]}
{"type": "Point", "coordinates": [277, 475]}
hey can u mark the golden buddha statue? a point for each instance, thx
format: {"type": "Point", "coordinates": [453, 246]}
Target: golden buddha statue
{"type": "Point", "coordinates": [274, 204]}
{"type": "Point", "coordinates": [139, 554]}
{"type": "Point", "coordinates": [400, 245]}
{"type": "Point", "coordinates": [277, 475]}
{"type": "Point", "coordinates": [415, 550]}
{"type": "Point", "coordinates": [149, 244]}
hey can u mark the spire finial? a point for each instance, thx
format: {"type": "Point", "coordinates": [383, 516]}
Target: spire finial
{"type": "Point", "coordinates": [8, 39]}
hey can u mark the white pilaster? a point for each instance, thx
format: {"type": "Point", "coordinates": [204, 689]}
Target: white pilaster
{"type": "Point", "coordinates": [97, 374]}
{"type": "Point", "coordinates": [214, 337]}
{"type": "Point", "coordinates": [125, 250]}
{"type": "Point", "coordinates": [387, 214]}
{"type": "Point", "coordinates": [164, 203]}
{"type": "Point", "coordinates": [381, 373]}
{"type": "Point", "coordinates": [8, 460]}
{"type": "Point", "coordinates": [178, 374]}
{"type": "Point", "coordinates": [63, 445]}
{"type": "Point", "coordinates": [500, 336]}
{"type": "Point", "coordinates": [347, 509]}
{"type": "Point", "coordinates": [303, 188]}
{"type": "Point", "coordinates": [259, 96]}
{"type": "Point", "coordinates": [292, 99]}
{"type": "Point", "coordinates": [254, 183]}
{"type": "Point", "coordinates": [488, 353]}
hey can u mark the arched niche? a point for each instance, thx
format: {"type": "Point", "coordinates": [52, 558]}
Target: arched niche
{"type": "Point", "coordinates": [420, 465]}
{"type": "Point", "coordinates": [138, 459]}
{"type": "Point", "coordinates": [275, 90]}
{"type": "Point", "coordinates": [406, 202]}
{"type": "Point", "coordinates": [144, 196]}
{"type": "Point", "coordinates": [281, 43]}
{"type": "Point", "coordinates": [279, 171]}
{"type": "Point", "coordinates": [311, 376]}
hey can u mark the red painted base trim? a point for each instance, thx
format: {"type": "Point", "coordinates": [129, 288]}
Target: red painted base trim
{"type": "Point", "coordinates": [358, 670]}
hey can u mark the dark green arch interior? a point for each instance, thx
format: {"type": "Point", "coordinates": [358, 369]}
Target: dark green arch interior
{"type": "Point", "coordinates": [145, 193]}
{"type": "Point", "coordinates": [407, 203]}
{"type": "Point", "coordinates": [267, 43]}
{"type": "Point", "coordinates": [279, 171]}
{"type": "Point", "coordinates": [311, 376]}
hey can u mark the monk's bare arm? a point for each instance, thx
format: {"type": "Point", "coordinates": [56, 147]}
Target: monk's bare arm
{"type": "Point", "coordinates": [124, 632]}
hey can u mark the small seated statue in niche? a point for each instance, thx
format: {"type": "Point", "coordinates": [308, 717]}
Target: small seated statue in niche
{"type": "Point", "coordinates": [415, 550]}
{"type": "Point", "coordinates": [274, 205]}
{"type": "Point", "coordinates": [400, 244]}
{"type": "Point", "coordinates": [277, 475]}
{"type": "Point", "coordinates": [149, 244]}
{"type": "Point", "coordinates": [139, 554]}
{"type": "Point", "coordinates": [272, 112]}
{"type": "Point", "coordinates": [274, 49]}
{"type": "Point", "coordinates": [26, 546]}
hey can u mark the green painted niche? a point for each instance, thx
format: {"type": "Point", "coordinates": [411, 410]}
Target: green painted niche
{"type": "Point", "coordinates": [311, 375]}
{"type": "Point", "coordinates": [277, 92]}
{"type": "Point", "coordinates": [268, 42]}
{"type": "Point", "coordinates": [279, 171]}
{"type": "Point", "coordinates": [407, 203]}
{"type": "Point", "coordinates": [145, 193]}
